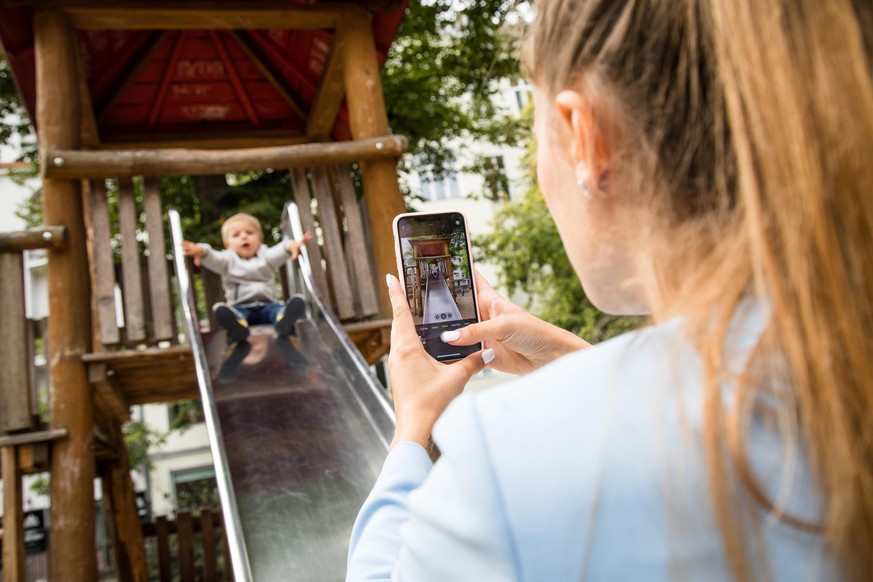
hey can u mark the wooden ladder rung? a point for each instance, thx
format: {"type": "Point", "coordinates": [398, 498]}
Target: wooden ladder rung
{"type": "Point", "coordinates": [27, 438]}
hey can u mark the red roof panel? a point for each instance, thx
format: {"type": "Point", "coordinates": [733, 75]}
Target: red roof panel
{"type": "Point", "coordinates": [194, 81]}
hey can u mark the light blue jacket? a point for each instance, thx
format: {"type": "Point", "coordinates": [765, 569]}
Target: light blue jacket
{"type": "Point", "coordinates": [591, 468]}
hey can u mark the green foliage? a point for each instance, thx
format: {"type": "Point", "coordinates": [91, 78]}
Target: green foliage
{"type": "Point", "coordinates": [41, 485]}
{"type": "Point", "coordinates": [527, 249]}
{"type": "Point", "coordinates": [15, 129]}
{"type": "Point", "coordinates": [139, 437]}
{"type": "Point", "coordinates": [442, 73]}
{"type": "Point", "coordinates": [13, 117]}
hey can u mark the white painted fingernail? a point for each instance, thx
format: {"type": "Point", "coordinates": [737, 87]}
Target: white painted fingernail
{"type": "Point", "coordinates": [488, 356]}
{"type": "Point", "coordinates": [450, 336]}
{"type": "Point", "coordinates": [388, 280]}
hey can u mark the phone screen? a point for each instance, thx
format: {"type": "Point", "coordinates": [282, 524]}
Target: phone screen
{"type": "Point", "coordinates": [437, 270]}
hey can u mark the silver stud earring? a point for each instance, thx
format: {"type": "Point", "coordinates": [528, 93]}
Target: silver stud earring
{"type": "Point", "coordinates": [586, 193]}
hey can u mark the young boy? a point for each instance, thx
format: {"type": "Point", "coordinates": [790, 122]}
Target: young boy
{"type": "Point", "coordinates": [247, 269]}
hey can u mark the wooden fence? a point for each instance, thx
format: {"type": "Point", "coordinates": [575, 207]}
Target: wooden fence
{"type": "Point", "coordinates": [187, 548]}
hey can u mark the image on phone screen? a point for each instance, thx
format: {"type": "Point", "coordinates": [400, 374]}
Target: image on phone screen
{"type": "Point", "coordinates": [436, 267]}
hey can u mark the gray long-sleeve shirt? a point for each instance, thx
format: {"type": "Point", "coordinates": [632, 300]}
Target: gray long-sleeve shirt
{"type": "Point", "coordinates": [246, 281]}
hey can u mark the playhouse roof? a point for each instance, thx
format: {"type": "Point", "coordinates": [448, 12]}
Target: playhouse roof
{"type": "Point", "coordinates": [189, 83]}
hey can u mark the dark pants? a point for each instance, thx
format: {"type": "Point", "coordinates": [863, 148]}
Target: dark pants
{"type": "Point", "coordinates": [260, 314]}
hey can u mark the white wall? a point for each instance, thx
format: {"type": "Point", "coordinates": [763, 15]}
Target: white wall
{"type": "Point", "coordinates": [182, 451]}
{"type": "Point", "coordinates": [11, 194]}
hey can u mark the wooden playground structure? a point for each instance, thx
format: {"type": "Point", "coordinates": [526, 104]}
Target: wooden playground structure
{"type": "Point", "coordinates": [428, 254]}
{"type": "Point", "coordinates": [129, 91]}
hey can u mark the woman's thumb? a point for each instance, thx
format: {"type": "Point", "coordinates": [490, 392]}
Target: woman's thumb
{"type": "Point", "coordinates": [471, 334]}
{"type": "Point", "coordinates": [475, 363]}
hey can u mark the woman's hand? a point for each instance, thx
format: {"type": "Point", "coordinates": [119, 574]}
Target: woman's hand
{"type": "Point", "coordinates": [422, 387]}
{"type": "Point", "coordinates": [521, 342]}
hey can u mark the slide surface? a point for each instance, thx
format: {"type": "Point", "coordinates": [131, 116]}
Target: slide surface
{"type": "Point", "coordinates": [439, 305]}
{"type": "Point", "coordinates": [299, 429]}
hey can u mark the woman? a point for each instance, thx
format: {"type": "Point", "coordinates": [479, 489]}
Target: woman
{"type": "Point", "coordinates": [706, 163]}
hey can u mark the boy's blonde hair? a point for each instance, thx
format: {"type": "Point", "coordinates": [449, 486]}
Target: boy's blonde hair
{"type": "Point", "coordinates": [240, 217]}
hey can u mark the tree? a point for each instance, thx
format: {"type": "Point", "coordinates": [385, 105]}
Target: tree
{"type": "Point", "coordinates": [442, 73]}
{"type": "Point", "coordinates": [15, 127]}
{"type": "Point", "coordinates": [14, 123]}
{"type": "Point", "coordinates": [527, 249]}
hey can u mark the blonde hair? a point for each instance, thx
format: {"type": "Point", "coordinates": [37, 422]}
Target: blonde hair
{"type": "Point", "coordinates": [240, 217]}
{"type": "Point", "coordinates": [746, 127]}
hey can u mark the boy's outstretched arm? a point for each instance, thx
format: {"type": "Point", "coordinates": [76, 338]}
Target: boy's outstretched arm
{"type": "Point", "coordinates": [295, 245]}
{"type": "Point", "coordinates": [193, 249]}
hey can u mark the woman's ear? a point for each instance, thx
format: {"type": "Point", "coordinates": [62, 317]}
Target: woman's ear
{"type": "Point", "coordinates": [587, 144]}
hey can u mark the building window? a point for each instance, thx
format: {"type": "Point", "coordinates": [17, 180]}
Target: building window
{"type": "Point", "coordinates": [195, 489]}
{"type": "Point", "coordinates": [425, 180]}
{"type": "Point", "coordinates": [522, 95]}
{"type": "Point", "coordinates": [439, 188]}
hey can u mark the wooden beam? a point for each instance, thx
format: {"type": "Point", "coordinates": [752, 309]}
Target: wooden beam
{"type": "Point", "coordinates": [235, 81]}
{"type": "Point", "coordinates": [207, 141]}
{"type": "Point", "coordinates": [168, 15]}
{"type": "Point", "coordinates": [331, 91]}
{"type": "Point", "coordinates": [13, 517]}
{"type": "Point", "coordinates": [142, 375]}
{"type": "Point", "coordinates": [166, 78]}
{"type": "Point", "coordinates": [16, 407]}
{"type": "Point", "coordinates": [42, 237]}
{"type": "Point", "coordinates": [72, 549]}
{"type": "Point", "coordinates": [80, 165]}
{"type": "Point", "coordinates": [273, 53]}
{"type": "Point", "coordinates": [367, 118]}
{"type": "Point", "coordinates": [159, 280]}
{"type": "Point", "coordinates": [107, 395]}
{"type": "Point", "coordinates": [34, 458]}
{"type": "Point", "coordinates": [89, 135]}
{"type": "Point", "coordinates": [119, 501]}
{"type": "Point", "coordinates": [29, 438]}
{"type": "Point", "coordinates": [131, 275]}
{"type": "Point", "coordinates": [101, 264]}
{"type": "Point", "coordinates": [273, 77]}
{"type": "Point", "coordinates": [130, 73]}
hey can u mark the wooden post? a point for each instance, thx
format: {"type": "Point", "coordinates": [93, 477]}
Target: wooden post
{"type": "Point", "coordinates": [15, 395]}
{"type": "Point", "coordinates": [367, 118]}
{"type": "Point", "coordinates": [119, 501]}
{"type": "Point", "coordinates": [72, 550]}
{"type": "Point", "coordinates": [13, 521]}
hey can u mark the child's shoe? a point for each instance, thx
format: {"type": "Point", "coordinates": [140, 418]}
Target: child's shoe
{"type": "Point", "coordinates": [288, 316]}
{"type": "Point", "coordinates": [236, 353]}
{"type": "Point", "coordinates": [291, 353]}
{"type": "Point", "coordinates": [233, 321]}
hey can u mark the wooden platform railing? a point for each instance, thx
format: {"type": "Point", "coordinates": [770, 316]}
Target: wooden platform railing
{"type": "Point", "coordinates": [145, 292]}
{"type": "Point", "coordinates": [188, 548]}
{"type": "Point", "coordinates": [128, 256]}
{"type": "Point", "coordinates": [342, 260]}
{"type": "Point", "coordinates": [23, 445]}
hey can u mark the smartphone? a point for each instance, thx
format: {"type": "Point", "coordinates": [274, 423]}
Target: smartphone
{"type": "Point", "coordinates": [435, 267]}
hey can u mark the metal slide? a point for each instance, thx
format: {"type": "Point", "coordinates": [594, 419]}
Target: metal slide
{"type": "Point", "coordinates": [439, 305]}
{"type": "Point", "coordinates": [298, 429]}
